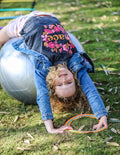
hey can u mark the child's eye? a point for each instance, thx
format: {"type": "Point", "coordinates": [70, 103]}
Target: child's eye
{"type": "Point", "coordinates": [66, 83]}
{"type": "Point", "coordinates": [59, 85]}
{"type": "Point", "coordinates": [69, 82]}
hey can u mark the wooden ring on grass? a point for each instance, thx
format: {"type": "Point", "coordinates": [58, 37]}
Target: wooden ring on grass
{"type": "Point", "coordinates": [80, 116]}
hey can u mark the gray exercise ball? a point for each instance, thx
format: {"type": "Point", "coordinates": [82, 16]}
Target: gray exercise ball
{"type": "Point", "coordinates": [17, 74]}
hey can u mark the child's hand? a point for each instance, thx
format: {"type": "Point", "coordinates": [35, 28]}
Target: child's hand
{"type": "Point", "coordinates": [103, 121]}
{"type": "Point", "coordinates": [62, 129]}
{"type": "Point", "coordinates": [50, 128]}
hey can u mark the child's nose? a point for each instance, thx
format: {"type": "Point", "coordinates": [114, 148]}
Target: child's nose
{"type": "Point", "coordinates": [63, 80]}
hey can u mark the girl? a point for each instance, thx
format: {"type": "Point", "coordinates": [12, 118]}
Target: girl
{"type": "Point", "coordinates": [54, 55]}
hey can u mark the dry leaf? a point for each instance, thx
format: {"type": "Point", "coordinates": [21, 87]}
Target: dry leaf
{"type": "Point", "coordinates": [97, 39]}
{"type": "Point", "coordinates": [114, 130]}
{"type": "Point", "coordinates": [108, 139]}
{"type": "Point", "coordinates": [81, 127]}
{"type": "Point", "coordinates": [64, 23]}
{"type": "Point", "coordinates": [107, 108]}
{"type": "Point", "coordinates": [30, 135]}
{"type": "Point", "coordinates": [3, 112]}
{"type": "Point", "coordinates": [115, 13]}
{"type": "Point", "coordinates": [118, 131]}
{"type": "Point", "coordinates": [98, 84]}
{"type": "Point", "coordinates": [94, 59]}
{"type": "Point", "coordinates": [115, 73]}
{"type": "Point", "coordinates": [90, 138]}
{"type": "Point", "coordinates": [104, 68]}
{"type": "Point", "coordinates": [27, 141]}
{"type": "Point", "coordinates": [110, 90]}
{"type": "Point", "coordinates": [16, 118]}
{"type": "Point", "coordinates": [113, 143]}
{"type": "Point", "coordinates": [116, 90]}
{"type": "Point", "coordinates": [116, 41]}
{"type": "Point", "coordinates": [17, 13]}
{"type": "Point", "coordinates": [24, 148]}
{"type": "Point", "coordinates": [57, 143]}
{"type": "Point", "coordinates": [114, 120]}
{"type": "Point", "coordinates": [100, 88]}
{"type": "Point", "coordinates": [93, 19]}
{"type": "Point", "coordinates": [85, 42]}
{"type": "Point", "coordinates": [55, 147]}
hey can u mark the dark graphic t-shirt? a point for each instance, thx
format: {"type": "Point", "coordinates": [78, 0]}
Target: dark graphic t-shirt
{"type": "Point", "coordinates": [46, 35]}
{"type": "Point", "coordinates": [56, 44]}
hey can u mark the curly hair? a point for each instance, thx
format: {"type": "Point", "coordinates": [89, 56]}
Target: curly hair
{"type": "Point", "coordinates": [76, 102]}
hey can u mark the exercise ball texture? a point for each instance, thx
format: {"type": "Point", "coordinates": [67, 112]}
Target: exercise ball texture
{"type": "Point", "coordinates": [17, 74]}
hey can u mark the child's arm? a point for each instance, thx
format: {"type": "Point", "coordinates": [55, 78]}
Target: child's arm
{"type": "Point", "coordinates": [51, 129]}
{"type": "Point", "coordinates": [92, 94]}
{"type": "Point", "coordinates": [3, 36]}
{"type": "Point", "coordinates": [93, 97]}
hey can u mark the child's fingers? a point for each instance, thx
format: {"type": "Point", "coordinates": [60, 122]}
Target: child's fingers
{"type": "Point", "coordinates": [97, 126]}
{"type": "Point", "coordinates": [94, 127]}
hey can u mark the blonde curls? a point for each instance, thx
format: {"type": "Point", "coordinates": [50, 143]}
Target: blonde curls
{"type": "Point", "coordinates": [76, 102]}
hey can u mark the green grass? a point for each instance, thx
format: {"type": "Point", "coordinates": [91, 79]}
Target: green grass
{"type": "Point", "coordinates": [98, 22]}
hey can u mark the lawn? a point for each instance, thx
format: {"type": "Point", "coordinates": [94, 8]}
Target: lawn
{"type": "Point", "coordinates": [96, 24]}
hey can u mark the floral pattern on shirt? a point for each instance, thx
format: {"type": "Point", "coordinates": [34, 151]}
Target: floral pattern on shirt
{"type": "Point", "coordinates": [56, 38]}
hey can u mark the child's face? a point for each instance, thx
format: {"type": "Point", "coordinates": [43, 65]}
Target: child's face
{"type": "Point", "coordinates": [64, 83]}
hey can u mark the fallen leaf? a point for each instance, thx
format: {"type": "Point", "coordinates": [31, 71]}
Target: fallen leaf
{"type": "Point", "coordinates": [100, 88]}
{"type": "Point", "coordinates": [55, 147]}
{"type": "Point", "coordinates": [91, 52]}
{"type": "Point", "coordinates": [104, 68]}
{"type": "Point", "coordinates": [86, 41]}
{"type": "Point", "coordinates": [64, 23]}
{"type": "Point", "coordinates": [16, 118]}
{"type": "Point", "coordinates": [90, 138]}
{"type": "Point", "coordinates": [93, 19]}
{"type": "Point", "coordinates": [57, 143]}
{"type": "Point", "coordinates": [114, 130]}
{"type": "Point", "coordinates": [30, 135]}
{"type": "Point", "coordinates": [108, 139]}
{"type": "Point", "coordinates": [115, 13]}
{"type": "Point", "coordinates": [17, 12]}
{"type": "Point", "coordinates": [116, 41]}
{"type": "Point", "coordinates": [115, 73]}
{"type": "Point", "coordinates": [107, 108]}
{"type": "Point", "coordinates": [3, 112]}
{"type": "Point", "coordinates": [104, 17]}
{"type": "Point", "coordinates": [81, 127]}
{"type": "Point", "coordinates": [116, 102]}
{"type": "Point", "coordinates": [24, 148]}
{"type": "Point", "coordinates": [27, 141]}
{"type": "Point", "coordinates": [114, 120]}
{"type": "Point", "coordinates": [72, 20]}
{"type": "Point", "coordinates": [56, 3]}
{"type": "Point", "coordinates": [107, 100]}
{"type": "Point", "coordinates": [113, 143]}
{"type": "Point", "coordinates": [118, 131]}
{"type": "Point", "coordinates": [97, 39]}
{"type": "Point", "coordinates": [116, 90]}
{"type": "Point", "coordinates": [110, 90]}
{"type": "Point", "coordinates": [98, 84]}
{"type": "Point", "coordinates": [99, 48]}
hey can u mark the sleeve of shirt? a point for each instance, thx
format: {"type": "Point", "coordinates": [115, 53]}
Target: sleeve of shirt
{"type": "Point", "coordinates": [43, 99]}
{"type": "Point", "coordinates": [92, 94]}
